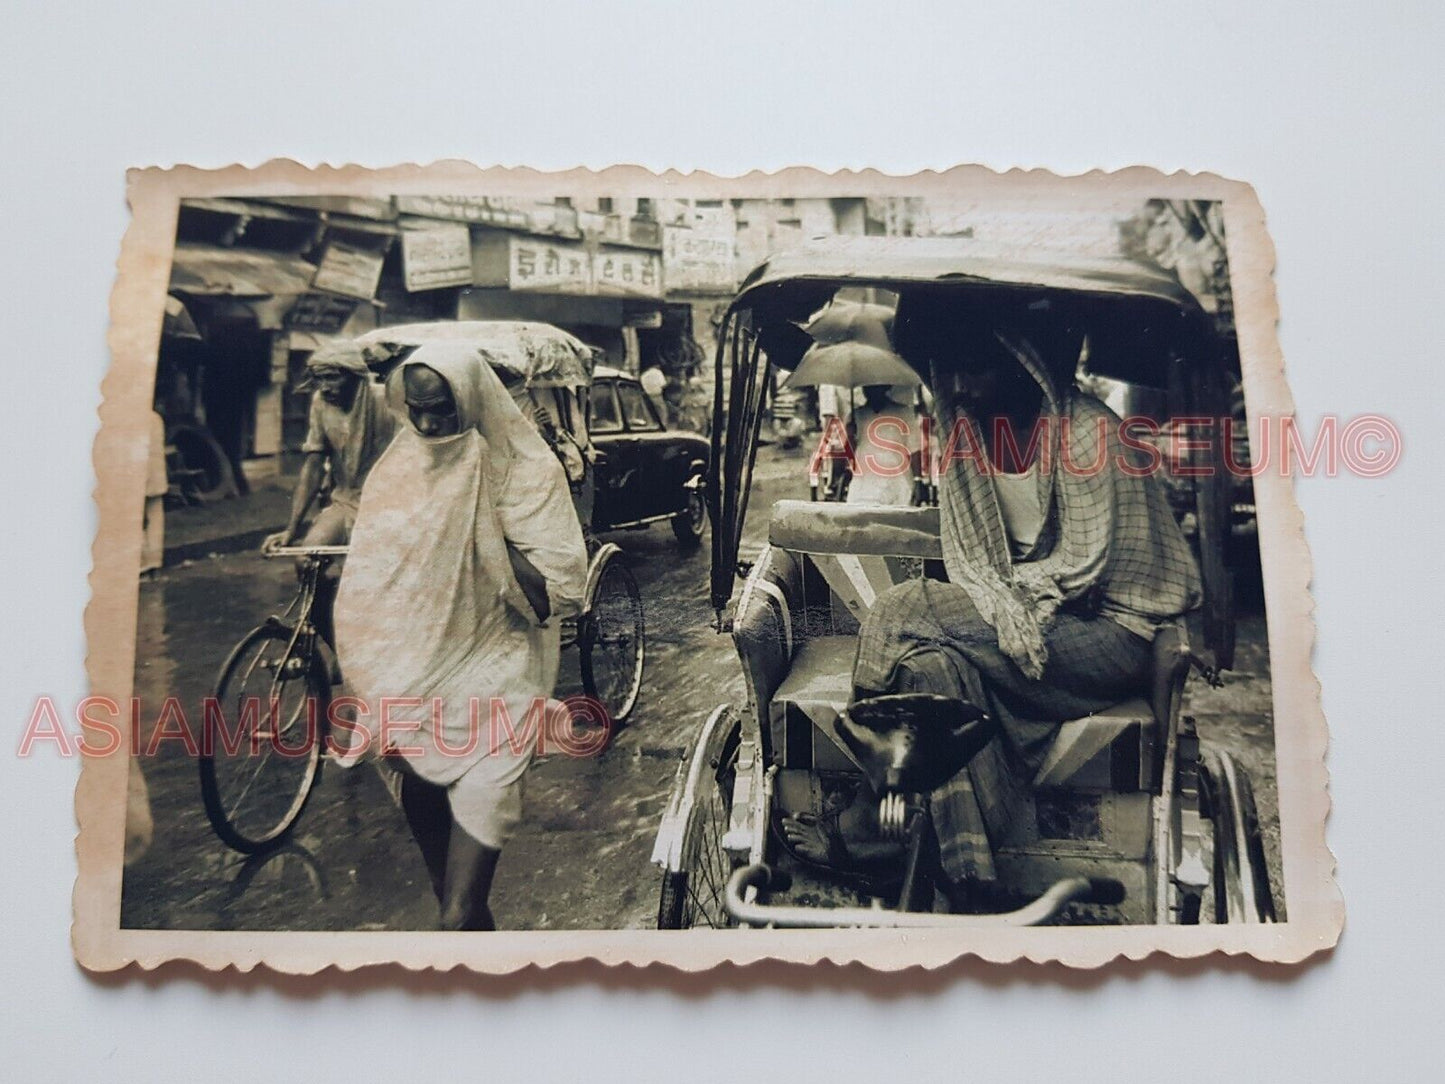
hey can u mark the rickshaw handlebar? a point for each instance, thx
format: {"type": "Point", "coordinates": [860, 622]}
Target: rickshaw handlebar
{"type": "Point", "coordinates": [759, 876]}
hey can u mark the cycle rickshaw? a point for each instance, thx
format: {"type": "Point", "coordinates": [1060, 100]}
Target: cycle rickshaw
{"type": "Point", "coordinates": [254, 798]}
{"type": "Point", "coordinates": [1130, 819]}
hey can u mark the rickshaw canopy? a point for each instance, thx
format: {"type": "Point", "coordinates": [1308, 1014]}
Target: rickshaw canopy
{"type": "Point", "coordinates": [1137, 317]}
{"type": "Point", "coordinates": [521, 352]}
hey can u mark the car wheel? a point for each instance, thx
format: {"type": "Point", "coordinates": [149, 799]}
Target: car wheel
{"type": "Point", "coordinates": [690, 523]}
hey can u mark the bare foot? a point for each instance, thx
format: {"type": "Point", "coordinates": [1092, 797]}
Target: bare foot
{"type": "Point", "coordinates": [846, 839]}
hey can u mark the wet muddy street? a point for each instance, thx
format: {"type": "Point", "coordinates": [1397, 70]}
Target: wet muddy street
{"type": "Point", "coordinates": [581, 857]}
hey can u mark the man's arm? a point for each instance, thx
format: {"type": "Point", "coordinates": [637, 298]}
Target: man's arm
{"type": "Point", "coordinates": [532, 582]}
{"type": "Point", "coordinates": [313, 469]}
{"type": "Point", "coordinates": [543, 535]}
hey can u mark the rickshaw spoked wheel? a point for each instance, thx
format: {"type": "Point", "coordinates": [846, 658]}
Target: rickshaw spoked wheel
{"type": "Point", "coordinates": [1239, 890]}
{"type": "Point", "coordinates": [693, 893]}
{"type": "Point", "coordinates": [612, 636]}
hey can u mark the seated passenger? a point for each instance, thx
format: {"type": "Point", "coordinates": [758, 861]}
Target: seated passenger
{"type": "Point", "coordinates": [1061, 565]}
{"type": "Point", "coordinates": [885, 423]}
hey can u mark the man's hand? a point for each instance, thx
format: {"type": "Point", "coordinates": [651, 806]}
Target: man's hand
{"type": "Point", "coordinates": [533, 584]}
{"type": "Point", "coordinates": [279, 539]}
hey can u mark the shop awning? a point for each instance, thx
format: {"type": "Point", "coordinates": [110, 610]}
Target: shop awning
{"type": "Point", "coordinates": [213, 271]}
{"type": "Point", "coordinates": [245, 208]}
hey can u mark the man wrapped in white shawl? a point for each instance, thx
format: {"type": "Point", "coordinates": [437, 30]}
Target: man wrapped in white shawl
{"type": "Point", "coordinates": [465, 554]}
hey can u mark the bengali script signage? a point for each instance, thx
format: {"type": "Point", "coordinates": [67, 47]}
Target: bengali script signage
{"type": "Point", "coordinates": [349, 271]}
{"type": "Point", "coordinates": [700, 257]}
{"type": "Point", "coordinates": [534, 263]}
{"type": "Point", "coordinates": [555, 266]}
{"type": "Point", "coordinates": [627, 272]}
{"type": "Point", "coordinates": [483, 210]}
{"type": "Point", "coordinates": [321, 313]}
{"type": "Point", "coordinates": [433, 258]}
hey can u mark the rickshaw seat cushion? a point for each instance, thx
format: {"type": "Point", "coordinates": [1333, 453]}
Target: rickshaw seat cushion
{"type": "Point", "coordinates": [860, 529]}
{"type": "Point", "coordinates": [815, 690]}
{"type": "Point", "coordinates": [1102, 751]}
{"type": "Point", "coordinates": [1121, 748]}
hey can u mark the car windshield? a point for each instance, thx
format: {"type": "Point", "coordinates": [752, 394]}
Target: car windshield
{"type": "Point", "coordinates": [604, 417]}
{"type": "Point", "coordinates": [636, 408]}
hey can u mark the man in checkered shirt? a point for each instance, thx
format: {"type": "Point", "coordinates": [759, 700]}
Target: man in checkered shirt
{"type": "Point", "coordinates": [1063, 559]}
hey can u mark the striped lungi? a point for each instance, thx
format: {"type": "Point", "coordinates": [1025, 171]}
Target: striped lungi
{"type": "Point", "coordinates": [926, 636]}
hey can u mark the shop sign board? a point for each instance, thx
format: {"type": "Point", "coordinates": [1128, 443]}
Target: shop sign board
{"type": "Point", "coordinates": [433, 258]}
{"type": "Point", "coordinates": [483, 210]}
{"type": "Point", "coordinates": [699, 258]}
{"type": "Point", "coordinates": [627, 272]}
{"type": "Point", "coordinates": [544, 265]}
{"type": "Point", "coordinates": [349, 271]}
{"type": "Point", "coordinates": [322, 313]}
{"type": "Point", "coordinates": [534, 263]}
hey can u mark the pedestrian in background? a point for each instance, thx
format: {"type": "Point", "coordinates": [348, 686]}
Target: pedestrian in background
{"type": "Point", "coordinates": [887, 447]}
{"type": "Point", "coordinates": [153, 530]}
{"type": "Point", "coordinates": [654, 383]}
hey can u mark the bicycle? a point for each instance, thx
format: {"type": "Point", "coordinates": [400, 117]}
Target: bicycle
{"type": "Point", "coordinates": [267, 726]}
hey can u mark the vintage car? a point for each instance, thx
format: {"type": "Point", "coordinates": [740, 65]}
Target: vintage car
{"type": "Point", "coordinates": [645, 471]}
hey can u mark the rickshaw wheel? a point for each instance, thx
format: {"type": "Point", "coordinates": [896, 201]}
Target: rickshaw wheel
{"type": "Point", "coordinates": [612, 637]}
{"type": "Point", "coordinates": [203, 462]}
{"type": "Point", "coordinates": [692, 894]}
{"type": "Point", "coordinates": [1239, 888]}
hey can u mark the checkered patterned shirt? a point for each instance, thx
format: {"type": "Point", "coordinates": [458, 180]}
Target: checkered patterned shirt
{"type": "Point", "coordinates": [1109, 546]}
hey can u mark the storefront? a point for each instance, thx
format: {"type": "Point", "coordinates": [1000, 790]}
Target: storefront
{"type": "Point", "coordinates": [267, 282]}
{"type": "Point", "coordinates": [215, 384]}
{"type": "Point", "coordinates": [497, 260]}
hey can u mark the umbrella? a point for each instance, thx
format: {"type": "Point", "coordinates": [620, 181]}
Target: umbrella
{"type": "Point", "coordinates": [852, 364]}
{"type": "Point", "coordinates": [843, 321]}
{"type": "Point", "coordinates": [851, 349]}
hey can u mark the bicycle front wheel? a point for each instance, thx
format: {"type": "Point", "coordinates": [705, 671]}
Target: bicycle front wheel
{"type": "Point", "coordinates": [262, 738]}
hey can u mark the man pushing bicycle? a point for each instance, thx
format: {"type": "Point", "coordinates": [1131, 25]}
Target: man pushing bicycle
{"type": "Point", "coordinates": [348, 429]}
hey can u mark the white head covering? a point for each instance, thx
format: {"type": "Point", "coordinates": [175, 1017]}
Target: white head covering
{"type": "Point", "coordinates": [340, 354]}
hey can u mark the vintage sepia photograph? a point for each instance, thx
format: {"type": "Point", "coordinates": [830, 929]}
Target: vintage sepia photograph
{"type": "Point", "coordinates": [597, 556]}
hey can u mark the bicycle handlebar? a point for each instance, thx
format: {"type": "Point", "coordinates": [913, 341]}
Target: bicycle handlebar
{"type": "Point", "coordinates": [788, 916]}
{"type": "Point", "coordinates": [304, 551]}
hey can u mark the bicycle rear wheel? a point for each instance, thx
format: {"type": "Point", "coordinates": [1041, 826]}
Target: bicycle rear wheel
{"type": "Point", "coordinates": [263, 737]}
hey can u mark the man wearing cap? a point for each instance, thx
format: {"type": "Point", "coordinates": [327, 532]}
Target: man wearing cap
{"type": "Point", "coordinates": [349, 427]}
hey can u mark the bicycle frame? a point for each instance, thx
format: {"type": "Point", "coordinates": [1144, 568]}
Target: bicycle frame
{"type": "Point", "coordinates": [313, 562]}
